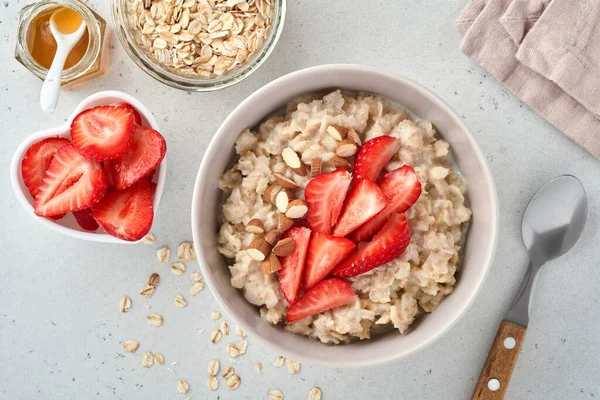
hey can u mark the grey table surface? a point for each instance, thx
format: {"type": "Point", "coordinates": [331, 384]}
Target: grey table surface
{"type": "Point", "coordinates": [61, 333]}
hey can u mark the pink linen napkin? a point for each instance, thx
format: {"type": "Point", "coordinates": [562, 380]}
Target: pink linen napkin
{"type": "Point", "coordinates": [547, 52]}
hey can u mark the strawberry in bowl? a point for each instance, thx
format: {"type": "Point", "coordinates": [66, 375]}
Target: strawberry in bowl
{"type": "Point", "coordinates": [100, 177]}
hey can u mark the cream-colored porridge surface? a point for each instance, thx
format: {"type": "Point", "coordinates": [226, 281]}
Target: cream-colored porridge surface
{"type": "Point", "coordinates": [393, 294]}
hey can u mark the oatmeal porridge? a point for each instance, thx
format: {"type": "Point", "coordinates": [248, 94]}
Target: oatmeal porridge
{"type": "Point", "coordinates": [268, 192]}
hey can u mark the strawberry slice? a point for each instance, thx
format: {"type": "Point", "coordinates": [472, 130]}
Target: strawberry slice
{"type": "Point", "coordinates": [137, 118]}
{"type": "Point", "coordinates": [364, 201]}
{"type": "Point", "coordinates": [290, 274]}
{"type": "Point", "coordinates": [108, 169]}
{"type": "Point", "coordinates": [103, 133]}
{"type": "Point", "coordinates": [37, 159]}
{"type": "Point", "coordinates": [85, 220]}
{"type": "Point", "coordinates": [126, 214]}
{"type": "Point", "coordinates": [71, 183]}
{"type": "Point", "coordinates": [324, 296]}
{"type": "Point", "coordinates": [325, 196]}
{"type": "Point", "coordinates": [325, 252]}
{"type": "Point", "coordinates": [386, 246]}
{"type": "Point", "coordinates": [373, 156]}
{"type": "Point", "coordinates": [147, 150]}
{"type": "Point", "coordinates": [402, 186]}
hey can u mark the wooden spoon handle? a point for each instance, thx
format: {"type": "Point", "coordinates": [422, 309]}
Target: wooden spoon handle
{"type": "Point", "coordinates": [501, 361]}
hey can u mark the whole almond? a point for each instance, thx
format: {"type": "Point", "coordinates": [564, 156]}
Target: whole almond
{"type": "Point", "coordinates": [284, 247]}
{"type": "Point", "coordinates": [346, 148]}
{"type": "Point", "coordinates": [316, 165]}
{"type": "Point", "coordinates": [258, 249]}
{"type": "Point", "coordinates": [272, 237]}
{"type": "Point", "coordinates": [271, 192]}
{"type": "Point", "coordinates": [340, 162]}
{"type": "Point", "coordinates": [296, 209]}
{"type": "Point", "coordinates": [292, 160]}
{"type": "Point", "coordinates": [353, 135]}
{"type": "Point", "coordinates": [284, 181]}
{"type": "Point", "coordinates": [337, 132]}
{"type": "Point", "coordinates": [285, 222]}
{"type": "Point", "coordinates": [255, 226]}
{"type": "Point", "coordinates": [270, 264]}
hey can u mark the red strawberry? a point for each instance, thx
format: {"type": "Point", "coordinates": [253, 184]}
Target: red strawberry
{"type": "Point", "coordinates": [36, 161]}
{"type": "Point", "coordinates": [103, 133]}
{"type": "Point", "coordinates": [126, 214]}
{"type": "Point", "coordinates": [108, 169]}
{"type": "Point", "coordinates": [373, 156]}
{"type": "Point", "coordinates": [71, 183]}
{"type": "Point", "coordinates": [364, 201]}
{"type": "Point", "coordinates": [290, 274]}
{"type": "Point", "coordinates": [85, 220]}
{"type": "Point", "coordinates": [403, 188]}
{"type": "Point", "coordinates": [325, 196]}
{"type": "Point", "coordinates": [147, 150]}
{"type": "Point", "coordinates": [324, 296]}
{"type": "Point", "coordinates": [150, 175]}
{"type": "Point", "coordinates": [136, 114]}
{"type": "Point", "coordinates": [325, 252]}
{"type": "Point", "coordinates": [386, 246]}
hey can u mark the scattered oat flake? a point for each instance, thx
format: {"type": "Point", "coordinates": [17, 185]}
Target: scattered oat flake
{"type": "Point", "coordinates": [131, 346]}
{"type": "Point", "coordinates": [275, 395]}
{"type": "Point", "coordinates": [233, 382]}
{"type": "Point", "coordinates": [314, 394]}
{"type": "Point", "coordinates": [240, 332]}
{"type": "Point", "coordinates": [179, 301]}
{"type": "Point", "coordinates": [178, 268]}
{"type": "Point", "coordinates": [232, 350]}
{"type": "Point", "coordinates": [186, 251]}
{"type": "Point", "coordinates": [125, 304]}
{"type": "Point", "coordinates": [154, 279]}
{"type": "Point", "coordinates": [196, 277]}
{"type": "Point", "coordinates": [225, 328]}
{"type": "Point", "coordinates": [148, 291]}
{"type": "Point", "coordinates": [257, 367]}
{"type": "Point", "coordinates": [147, 360]}
{"type": "Point", "coordinates": [212, 382]}
{"type": "Point", "coordinates": [227, 372]}
{"type": "Point", "coordinates": [163, 254]}
{"type": "Point", "coordinates": [196, 288]}
{"type": "Point", "coordinates": [213, 367]}
{"type": "Point", "coordinates": [216, 336]}
{"type": "Point", "coordinates": [154, 319]}
{"type": "Point", "coordinates": [279, 361]}
{"type": "Point", "coordinates": [293, 366]}
{"type": "Point", "coordinates": [242, 346]}
{"type": "Point", "coordinates": [159, 359]}
{"type": "Point", "coordinates": [149, 239]}
{"type": "Point", "coordinates": [215, 315]}
{"type": "Point", "coordinates": [182, 386]}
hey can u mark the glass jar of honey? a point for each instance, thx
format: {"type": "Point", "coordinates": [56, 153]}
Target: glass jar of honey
{"type": "Point", "coordinates": [36, 46]}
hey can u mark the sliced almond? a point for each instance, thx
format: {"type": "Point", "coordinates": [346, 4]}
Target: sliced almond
{"type": "Point", "coordinates": [353, 135]}
{"type": "Point", "coordinates": [285, 222]}
{"type": "Point", "coordinates": [340, 162]}
{"type": "Point", "coordinates": [292, 160]}
{"type": "Point", "coordinates": [346, 148]}
{"type": "Point", "coordinates": [272, 237]}
{"type": "Point", "coordinates": [255, 226]}
{"type": "Point", "coordinates": [337, 132]}
{"type": "Point", "coordinates": [284, 181]}
{"type": "Point", "coordinates": [283, 200]}
{"type": "Point", "coordinates": [270, 264]}
{"type": "Point", "coordinates": [296, 209]}
{"type": "Point", "coordinates": [271, 192]}
{"type": "Point", "coordinates": [259, 249]}
{"type": "Point", "coordinates": [284, 247]}
{"type": "Point", "coordinates": [316, 164]}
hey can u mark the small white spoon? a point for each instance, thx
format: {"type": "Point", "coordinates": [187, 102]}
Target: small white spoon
{"type": "Point", "coordinates": [65, 41]}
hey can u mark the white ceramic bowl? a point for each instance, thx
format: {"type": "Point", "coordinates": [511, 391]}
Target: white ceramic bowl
{"type": "Point", "coordinates": [480, 244]}
{"type": "Point", "coordinates": [67, 225]}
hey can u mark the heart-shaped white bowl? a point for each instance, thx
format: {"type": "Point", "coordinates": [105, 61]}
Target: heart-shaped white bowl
{"type": "Point", "coordinates": [67, 225]}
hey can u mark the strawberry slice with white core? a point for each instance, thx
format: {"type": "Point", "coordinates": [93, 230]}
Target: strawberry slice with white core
{"type": "Point", "coordinates": [145, 153]}
{"type": "Point", "coordinates": [137, 117]}
{"type": "Point", "coordinates": [126, 214]}
{"type": "Point", "coordinates": [292, 266]}
{"type": "Point", "coordinates": [364, 201]}
{"type": "Point", "coordinates": [324, 197]}
{"type": "Point", "coordinates": [325, 252]}
{"type": "Point", "coordinates": [373, 156]}
{"type": "Point", "coordinates": [324, 296]}
{"type": "Point", "coordinates": [403, 188]}
{"type": "Point", "coordinates": [103, 133]}
{"type": "Point", "coordinates": [37, 159]}
{"type": "Point", "coordinates": [85, 220]}
{"type": "Point", "coordinates": [386, 246]}
{"type": "Point", "coordinates": [71, 183]}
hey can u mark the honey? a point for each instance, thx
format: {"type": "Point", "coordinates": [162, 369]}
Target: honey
{"type": "Point", "coordinates": [41, 43]}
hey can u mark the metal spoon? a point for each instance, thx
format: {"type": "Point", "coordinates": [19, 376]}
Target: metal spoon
{"type": "Point", "coordinates": [552, 224]}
